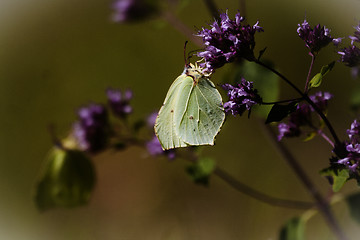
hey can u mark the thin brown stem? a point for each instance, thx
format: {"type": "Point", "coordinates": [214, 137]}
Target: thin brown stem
{"type": "Point", "coordinates": [182, 28]}
{"type": "Point", "coordinates": [282, 101]}
{"type": "Point", "coordinates": [307, 99]}
{"type": "Point", "coordinates": [243, 8]}
{"type": "Point", "coordinates": [241, 187]}
{"type": "Point", "coordinates": [309, 73]}
{"type": "Point", "coordinates": [321, 203]}
{"type": "Point", "coordinates": [213, 9]}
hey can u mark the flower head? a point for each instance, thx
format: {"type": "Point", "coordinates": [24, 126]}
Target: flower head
{"type": "Point", "coordinates": [352, 159]}
{"type": "Point", "coordinates": [151, 119]}
{"type": "Point", "coordinates": [91, 131]}
{"type": "Point", "coordinates": [288, 130]}
{"type": "Point", "coordinates": [356, 37]}
{"type": "Point", "coordinates": [154, 148]}
{"type": "Point", "coordinates": [302, 116]}
{"type": "Point", "coordinates": [241, 97]}
{"type": "Point", "coordinates": [350, 56]}
{"type": "Point", "coordinates": [321, 99]}
{"type": "Point", "coordinates": [119, 102]}
{"type": "Point", "coordinates": [227, 41]}
{"type": "Point", "coordinates": [132, 10]}
{"type": "Point", "coordinates": [317, 37]}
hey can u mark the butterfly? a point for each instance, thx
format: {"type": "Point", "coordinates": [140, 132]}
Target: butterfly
{"type": "Point", "coordinates": [192, 113]}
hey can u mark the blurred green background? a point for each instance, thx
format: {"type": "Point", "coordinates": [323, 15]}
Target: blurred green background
{"type": "Point", "coordinates": [58, 55]}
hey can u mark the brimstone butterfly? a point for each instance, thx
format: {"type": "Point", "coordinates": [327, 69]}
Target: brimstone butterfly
{"type": "Point", "coordinates": [192, 113]}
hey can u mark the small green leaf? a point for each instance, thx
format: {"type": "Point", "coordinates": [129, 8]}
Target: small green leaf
{"type": "Point", "coordinates": [310, 136]}
{"type": "Point", "coordinates": [317, 79]}
{"type": "Point", "coordinates": [353, 202]}
{"type": "Point", "coordinates": [67, 181]}
{"type": "Point", "coordinates": [261, 53]}
{"type": "Point", "coordinates": [201, 170]}
{"type": "Point", "coordinates": [279, 112]}
{"type": "Point", "coordinates": [294, 229]}
{"type": "Point", "coordinates": [327, 68]}
{"type": "Point", "coordinates": [336, 177]}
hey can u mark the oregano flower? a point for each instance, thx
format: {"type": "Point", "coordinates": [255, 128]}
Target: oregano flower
{"type": "Point", "coordinates": [302, 116]}
{"type": "Point", "coordinates": [133, 10]}
{"type": "Point", "coordinates": [241, 97]}
{"type": "Point", "coordinates": [119, 102]}
{"type": "Point", "coordinates": [352, 160]}
{"type": "Point", "coordinates": [227, 41]}
{"type": "Point", "coordinates": [91, 131]}
{"type": "Point", "coordinates": [316, 38]}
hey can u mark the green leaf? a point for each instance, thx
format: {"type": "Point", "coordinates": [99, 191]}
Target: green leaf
{"type": "Point", "coordinates": [67, 181]}
{"type": "Point", "coordinates": [192, 113]}
{"type": "Point", "coordinates": [353, 202]}
{"type": "Point", "coordinates": [279, 112]}
{"type": "Point", "coordinates": [201, 170]}
{"type": "Point", "coordinates": [317, 79]}
{"type": "Point", "coordinates": [294, 229]}
{"type": "Point", "coordinates": [336, 177]}
{"type": "Point", "coordinates": [327, 68]}
{"type": "Point", "coordinates": [266, 82]}
{"type": "Point", "coordinates": [310, 136]}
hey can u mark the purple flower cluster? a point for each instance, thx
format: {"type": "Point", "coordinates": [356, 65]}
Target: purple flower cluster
{"type": "Point", "coordinates": [227, 41]}
{"type": "Point", "coordinates": [241, 97]}
{"type": "Point", "coordinates": [153, 146]}
{"type": "Point", "coordinates": [119, 102]}
{"type": "Point", "coordinates": [302, 116]}
{"type": "Point", "coordinates": [132, 10]}
{"type": "Point", "coordinates": [352, 159]}
{"type": "Point", "coordinates": [316, 38]}
{"type": "Point", "coordinates": [350, 56]}
{"type": "Point", "coordinates": [91, 131]}
{"type": "Point", "coordinates": [321, 99]}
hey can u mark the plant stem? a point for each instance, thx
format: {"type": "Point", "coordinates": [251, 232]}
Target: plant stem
{"type": "Point", "coordinates": [241, 187]}
{"type": "Point", "coordinates": [324, 136]}
{"type": "Point", "coordinates": [282, 101]}
{"type": "Point", "coordinates": [309, 73]}
{"type": "Point", "coordinates": [243, 8]}
{"type": "Point", "coordinates": [321, 203]}
{"type": "Point", "coordinates": [182, 28]}
{"type": "Point", "coordinates": [210, 4]}
{"type": "Point", "coordinates": [306, 98]}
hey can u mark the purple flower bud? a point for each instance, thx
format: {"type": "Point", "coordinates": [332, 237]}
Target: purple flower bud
{"type": "Point", "coordinates": [91, 131]}
{"type": "Point", "coordinates": [356, 37]}
{"type": "Point", "coordinates": [154, 148]}
{"type": "Point", "coordinates": [321, 99]}
{"type": "Point", "coordinates": [241, 97]}
{"type": "Point", "coordinates": [133, 10]}
{"type": "Point", "coordinates": [316, 38]}
{"type": "Point", "coordinates": [119, 102]}
{"type": "Point", "coordinates": [150, 121]}
{"type": "Point", "coordinates": [288, 130]}
{"type": "Point", "coordinates": [352, 159]}
{"type": "Point", "coordinates": [302, 116]}
{"type": "Point", "coordinates": [227, 41]}
{"type": "Point", "coordinates": [350, 56]}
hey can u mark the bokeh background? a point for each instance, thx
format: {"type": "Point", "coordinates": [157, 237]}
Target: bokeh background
{"type": "Point", "coordinates": [58, 55]}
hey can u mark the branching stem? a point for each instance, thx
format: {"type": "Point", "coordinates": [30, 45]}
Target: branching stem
{"type": "Point", "coordinates": [321, 203]}
{"type": "Point", "coordinates": [307, 99]}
